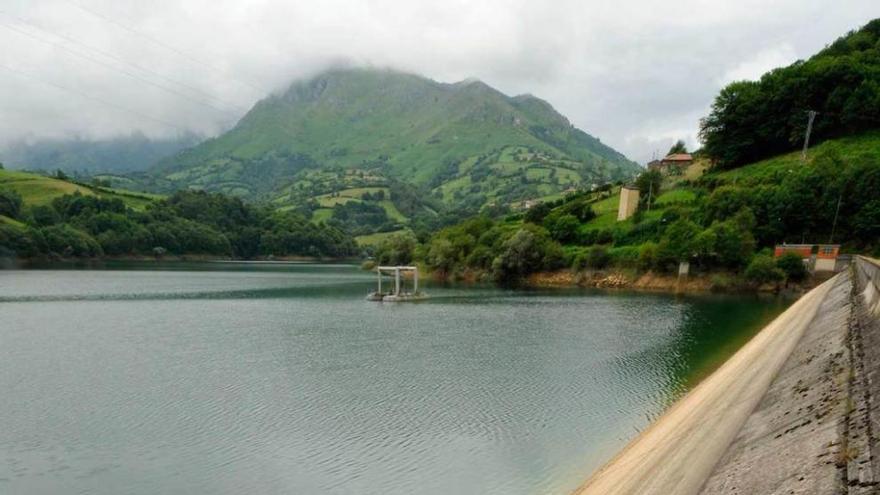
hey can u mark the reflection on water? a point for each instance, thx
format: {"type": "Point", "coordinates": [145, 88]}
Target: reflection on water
{"type": "Point", "coordinates": [238, 378]}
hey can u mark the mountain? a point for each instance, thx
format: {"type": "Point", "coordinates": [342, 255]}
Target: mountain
{"type": "Point", "coordinates": [464, 144]}
{"type": "Point", "coordinates": [86, 156]}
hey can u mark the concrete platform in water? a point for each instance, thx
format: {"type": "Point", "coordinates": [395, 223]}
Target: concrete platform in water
{"type": "Point", "coordinates": [373, 296]}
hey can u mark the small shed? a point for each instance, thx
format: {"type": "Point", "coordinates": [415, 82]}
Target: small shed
{"type": "Point", "coordinates": [818, 257]}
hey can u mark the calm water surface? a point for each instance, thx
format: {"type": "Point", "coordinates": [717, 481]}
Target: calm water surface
{"type": "Point", "coordinates": [270, 379]}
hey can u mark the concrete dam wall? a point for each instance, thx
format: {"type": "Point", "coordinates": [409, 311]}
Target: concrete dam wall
{"type": "Point", "coordinates": [793, 412]}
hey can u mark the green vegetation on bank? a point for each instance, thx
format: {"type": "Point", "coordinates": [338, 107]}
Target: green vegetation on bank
{"type": "Point", "coordinates": [726, 221]}
{"type": "Point", "coordinates": [49, 217]}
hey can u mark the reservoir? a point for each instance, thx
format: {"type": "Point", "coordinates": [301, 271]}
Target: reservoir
{"type": "Point", "coordinates": [264, 378]}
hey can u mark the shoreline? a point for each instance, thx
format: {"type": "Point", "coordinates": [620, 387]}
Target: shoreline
{"type": "Point", "coordinates": [34, 263]}
{"type": "Point", "coordinates": [716, 282]}
{"type": "Point", "coordinates": [623, 279]}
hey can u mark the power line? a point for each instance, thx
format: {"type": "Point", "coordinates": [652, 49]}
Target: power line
{"type": "Point", "coordinates": [93, 98]}
{"type": "Point", "coordinates": [164, 45]}
{"type": "Point", "coordinates": [126, 62]}
{"type": "Point", "coordinates": [117, 69]}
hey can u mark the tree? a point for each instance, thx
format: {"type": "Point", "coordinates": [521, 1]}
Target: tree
{"type": "Point", "coordinates": [10, 203]}
{"type": "Point", "coordinates": [763, 270]}
{"type": "Point", "coordinates": [649, 183]}
{"type": "Point", "coordinates": [526, 251]}
{"type": "Point", "coordinates": [678, 147]}
{"type": "Point", "coordinates": [44, 215]}
{"type": "Point", "coordinates": [397, 249]}
{"type": "Point", "coordinates": [793, 266]}
{"type": "Point", "coordinates": [562, 228]}
{"type": "Point", "coordinates": [678, 243]}
{"type": "Point", "coordinates": [536, 213]}
{"type": "Point", "coordinates": [442, 255]}
{"type": "Point", "coordinates": [520, 256]}
{"type": "Point", "coordinates": [733, 246]}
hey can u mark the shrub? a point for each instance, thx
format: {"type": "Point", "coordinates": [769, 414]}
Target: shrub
{"type": "Point", "coordinates": [16, 242]}
{"type": "Point", "coordinates": [68, 241]}
{"type": "Point", "coordinates": [793, 266]}
{"type": "Point", "coordinates": [586, 237]}
{"type": "Point", "coordinates": [536, 213]}
{"type": "Point", "coordinates": [397, 249]}
{"type": "Point", "coordinates": [624, 256]}
{"type": "Point", "coordinates": [562, 228]}
{"type": "Point", "coordinates": [480, 257]}
{"type": "Point", "coordinates": [10, 203]}
{"type": "Point", "coordinates": [722, 282]}
{"type": "Point", "coordinates": [527, 251]}
{"type": "Point", "coordinates": [763, 270]}
{"type": "Point", "coordinates": [45, 215]}
{"type": "Point", "coordinates": [598, 258]}
{"type": "Point", "coordinates": [647, 256]}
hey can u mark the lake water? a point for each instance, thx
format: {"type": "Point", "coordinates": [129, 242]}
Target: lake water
{"type": "Point", "coordinates": [267, 379]}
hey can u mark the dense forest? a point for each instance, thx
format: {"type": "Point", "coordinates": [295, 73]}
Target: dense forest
{"type": "Point", "coordinates": [186, 223]}
{"type": "Point", "coordinates": [752, 120]}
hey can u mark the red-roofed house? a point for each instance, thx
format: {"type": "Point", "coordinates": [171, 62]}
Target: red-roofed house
{"type": "Point", "coordinates": [673, 163]}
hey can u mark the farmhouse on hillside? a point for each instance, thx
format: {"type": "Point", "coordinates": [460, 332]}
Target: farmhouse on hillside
{"type": "Point", "coordinates": [672, 164]}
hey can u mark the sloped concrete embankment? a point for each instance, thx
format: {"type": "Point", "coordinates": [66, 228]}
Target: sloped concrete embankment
{"type": "Point", "coordinates": [792, 412]}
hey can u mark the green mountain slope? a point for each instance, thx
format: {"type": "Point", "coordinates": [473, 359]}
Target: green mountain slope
{"type": "Point", "coordinates": [464, 143]}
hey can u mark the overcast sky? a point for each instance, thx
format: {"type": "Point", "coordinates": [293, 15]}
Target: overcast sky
{"type": "Point", "coordinates": [636, 74]}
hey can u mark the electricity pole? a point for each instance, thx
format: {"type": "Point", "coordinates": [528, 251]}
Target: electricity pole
{"type": "Point", "coordinates": [811, 115]}
{"type": "Point", "coordinates": [834, 224]}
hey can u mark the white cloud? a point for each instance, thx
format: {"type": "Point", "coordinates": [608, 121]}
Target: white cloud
{"type": "Point", "coordinates": [628, 72]}
{"type": "Point", "coordinates": [754, 67]}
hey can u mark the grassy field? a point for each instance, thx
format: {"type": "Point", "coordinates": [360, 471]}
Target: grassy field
{"type": "Point", "coordinates": [675, 196]}
{"type": "Point", "coordinates": [38, 190]}
{"type": "Point", "coordinates": [322, 214]}
{"type": "Point", "coordinates": [862, 146]}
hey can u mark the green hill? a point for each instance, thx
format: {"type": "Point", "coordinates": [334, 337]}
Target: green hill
{"type": "Point", "coordinates": [45, 217]}
{"type": "Point", "coordinates": [38, 190]}
{"type": "Point", "coordinates": [463, 144]}
{"type": "Point", "coordinates": [753, 120]}
{"type": "Point", "coordinates": [721, 221]}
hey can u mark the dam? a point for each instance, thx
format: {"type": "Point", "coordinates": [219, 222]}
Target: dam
{"type": "Point", "coordinates": [794, 411]}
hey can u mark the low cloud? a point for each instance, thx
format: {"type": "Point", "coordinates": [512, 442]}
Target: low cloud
{"type": "Point", "coordinates": [626, 72]}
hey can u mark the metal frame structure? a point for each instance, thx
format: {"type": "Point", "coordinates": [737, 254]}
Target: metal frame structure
{"type": "Point", "coordinates": [396, 270]}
